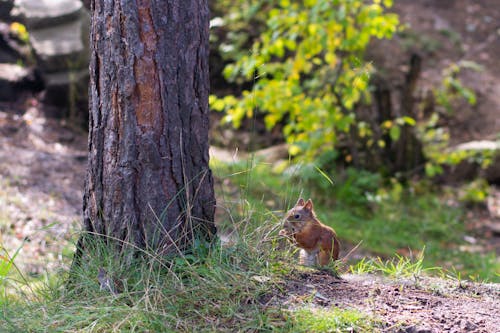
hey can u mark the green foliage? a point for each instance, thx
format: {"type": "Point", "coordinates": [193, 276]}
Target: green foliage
{"type": "Point", "coordinates": [436, 138]}
{"type": "Point", "coordinates": [310, 319]}
{"type": "Point", "coordinates": [398, 267]}
{"type": "Point", "coordinates": [452, 87]}
{"type": "Point", "coordinates": [20, 31]}
{"type": "Point", "coordinates": [6, 265]}
{"type": "Point", "coordinates": [308, 70]}
{"type": "Point", "coordinates": [356, 188]}
{"type": "Point", "coordinates": [353, 188]}
{"type": "Point", "coordinates": [475, 192]}
{"type": "Point", "coordinates": [234, 26]}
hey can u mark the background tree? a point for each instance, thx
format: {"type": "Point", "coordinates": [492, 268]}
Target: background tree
{"type": "Point", "coordinates": [148, 178]}
{"type": "Point", "coordinates": [308, 74]}
{"type": "Point", "coordinates": [314, 71]}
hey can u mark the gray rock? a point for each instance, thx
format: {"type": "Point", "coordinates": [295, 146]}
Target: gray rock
{"type": "Point", "coordinates": [45, 13]}
{"type": "Point", "coordinates": [14, 78]}
{"type": "Point", "coordinates": [59, 33]}
{"type": "Point", "coordinates": [13, 73]}
{"type": "Point", "coordinates": [66, 88]}
{"type": "Point", "coordinates": [416, 329]}
{"type": "Point", "coordinates": [473, 170]}
{"type": "Point", "coordinates": [63, 46]}
{"type": "Point", "coordinates": [479, 145]}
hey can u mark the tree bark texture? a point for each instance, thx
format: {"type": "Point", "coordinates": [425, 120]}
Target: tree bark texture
{"type": "Point", "coordinates": [148, 178]}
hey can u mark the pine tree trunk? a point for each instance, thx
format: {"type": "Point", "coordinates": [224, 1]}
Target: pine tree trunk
{"type": "Point", "coordinates": [148, 180]}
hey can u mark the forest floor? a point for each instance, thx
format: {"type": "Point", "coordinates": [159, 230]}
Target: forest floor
{"type": "Point", "coordinates": [43, 161]}
{"type": "Point", "coordinates": [42, 168]}
{"type": "Point", "coordinates": [399, 305]}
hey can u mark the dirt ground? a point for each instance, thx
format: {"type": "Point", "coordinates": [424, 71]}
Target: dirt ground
{"type": "Point", "coordinates": [414, 306]}
{"type": "Point", "coordinates": [42, 167]}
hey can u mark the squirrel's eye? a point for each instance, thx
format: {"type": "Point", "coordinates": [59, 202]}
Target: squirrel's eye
{"type": "Point", "coordinates": [296, 216]}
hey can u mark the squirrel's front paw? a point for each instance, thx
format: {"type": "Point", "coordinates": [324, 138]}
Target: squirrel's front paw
{"type": "Point", "coordinates": [283, 232]}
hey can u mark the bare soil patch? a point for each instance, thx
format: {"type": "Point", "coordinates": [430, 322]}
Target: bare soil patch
{"type": "Point", "coordinates": [42, 168]}
{"type": "Point", "coordinates": [423, 305]}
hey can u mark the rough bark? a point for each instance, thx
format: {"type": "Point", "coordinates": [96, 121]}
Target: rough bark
{"type": "Point", "coordinates": [148, 179]}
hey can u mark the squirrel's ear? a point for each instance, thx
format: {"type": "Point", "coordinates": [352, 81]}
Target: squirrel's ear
{"type": "Point", "coordinates": [300, 202]}
{"type": "Point", "coordinates": [308, 205]}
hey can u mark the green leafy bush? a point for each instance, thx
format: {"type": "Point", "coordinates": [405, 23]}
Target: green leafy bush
{"type": "Point", "coordinates": [436, 137]}
{"type": "Point", "coordinates": [307, 70]}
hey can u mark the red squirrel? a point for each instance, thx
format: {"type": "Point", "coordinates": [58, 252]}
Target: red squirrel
{"type": "Point", "coordinates": [318, 242]}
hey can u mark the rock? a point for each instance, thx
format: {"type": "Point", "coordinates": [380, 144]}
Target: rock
{"type": "Point", "coordinates": [467, 326]}
{"type": "Point", "coordinates": [225, 155]}
{"type": "Point", "coordinates": [14, 78]}
{"type": "Point", "coordinates": [469, 169]}
{"type": "Point", "coordinates": [61, 47]}
{"type": "Point", "coordinates": [61, 87]}
{"type": "Point", "coordinates": [479, 145]}
{"type": "Point", "coordinates": [46, 13]}
{"type": "Point", "coordinates": [12, 73]}
{"type": "Point", "coordinates": [273, 154]}
{"type": "Point", "coordinates": [58, 33]}
{"type": "Point", "coordinates": [494, 228]}
{"type": "Point", "coordinates": [416, 329]}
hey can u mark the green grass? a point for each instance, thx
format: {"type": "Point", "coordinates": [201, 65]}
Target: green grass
{"type": "Point", "coordinates": [399, 267]}
{"type": "Point", "coordinates": [236, 287]}
{"type": "Point", "coordinates": [310, 319]}
{"type": "Point", "coordinates": [211, 289]}
{"type": "Point", "coordinates": [388, 218]}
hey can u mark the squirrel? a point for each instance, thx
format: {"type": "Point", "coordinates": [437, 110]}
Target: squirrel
{"type": "Point", "coordinates": [318, 242]}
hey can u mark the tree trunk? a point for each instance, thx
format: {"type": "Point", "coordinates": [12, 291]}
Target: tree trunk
{"type": "Point", "coordinates": [148, 180]}
{"type": "Point", "coordinates": [405, 155]}
{"type": "Point", "coordinates": [408, 149]}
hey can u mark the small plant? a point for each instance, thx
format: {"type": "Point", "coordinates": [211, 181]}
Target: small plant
{"type": "Point", "coordinates": [309, 319]}
{"type": "Point", "coordinates": [451, 92]}
{"type": "Point", "coordinates": [364, 266]}
{"type": "Point", "coordinates": [475, 192]}
{"type": "Point", "coordinates": [20, 31]}
{"type": "Point", "coordinates": [455, 275]}
{"type": "Point", "coordinates": [398, 267]}
{"type": "Point", "coordinates": [6, 265]}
